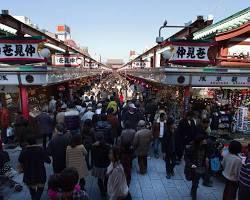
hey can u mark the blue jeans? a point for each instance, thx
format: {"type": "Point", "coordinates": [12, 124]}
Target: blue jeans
{"type": "Point", "coordinates": [156, 145]}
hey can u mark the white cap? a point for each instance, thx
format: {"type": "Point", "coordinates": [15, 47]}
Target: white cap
{"type": "Point", "coordinates": [132, 106]}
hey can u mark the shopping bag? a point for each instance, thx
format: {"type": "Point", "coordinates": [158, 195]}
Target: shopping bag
{"type": "Point", "coordinates": [9, 132]}
{"type": "Point", "coordinates": [215, 164]}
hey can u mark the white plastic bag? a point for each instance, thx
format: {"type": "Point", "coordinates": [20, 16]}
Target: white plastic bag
{"type": "Point", "coordinates": [9, 132]}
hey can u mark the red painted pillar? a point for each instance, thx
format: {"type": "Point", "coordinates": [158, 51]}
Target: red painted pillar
{"type": "Point", "coordinates": [186, 99]}
{"type": "Point", "coordinates": [24, 101]}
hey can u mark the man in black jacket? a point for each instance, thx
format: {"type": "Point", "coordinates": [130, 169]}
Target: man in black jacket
{"type": "Point", "coordinates": [185, 133]}
{"type": "Point", "coordinates": [57, 148]}
{"type": "Point", "coordinates": [169, 147]}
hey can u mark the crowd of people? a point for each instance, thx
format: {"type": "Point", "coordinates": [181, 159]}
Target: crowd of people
{"type": "Point", "coordinates": [99, 133]}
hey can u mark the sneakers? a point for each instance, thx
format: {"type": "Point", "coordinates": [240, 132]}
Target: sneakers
{"type": "Point", "coordinates": [168, 176]}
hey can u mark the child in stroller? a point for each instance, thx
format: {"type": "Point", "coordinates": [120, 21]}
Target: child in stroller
{"type": "Point", "coordinates": [7, 173]}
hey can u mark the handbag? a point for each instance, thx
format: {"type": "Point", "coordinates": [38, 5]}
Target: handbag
{"type": "Point", "coordinates": [215, 164]}
{"type": "Point", "coordinates": [9, 132]}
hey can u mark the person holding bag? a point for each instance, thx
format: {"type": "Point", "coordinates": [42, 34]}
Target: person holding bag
{"type": "Point", "coordinates": [117, 185]}
{"type": "Point", "coordinates": [196, 163]}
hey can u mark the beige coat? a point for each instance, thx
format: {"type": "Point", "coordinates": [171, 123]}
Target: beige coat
{"type": "Point", "coordinates": [75, 157]}
{"type": "Point", "coordinates": [142, 142]}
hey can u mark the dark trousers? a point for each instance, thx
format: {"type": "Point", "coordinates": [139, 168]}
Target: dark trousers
{"type": "Point", "coordinates": [230, 190]}
{"type": "Point", "coordinates": [88, 159]}
{"type": "Point", "coordinates": [45, 139]}
{"type": "Point", "coordinates": [82, 183]}
{"type": "Point", "coordinates": [102, 184]}
{"type": "Point", "coordinates": [143, 164]}
{"type": "Point", "coordinates": [170, 163]}
{"type": "Point", "coordinates": [4, 135]}
{"type": "Point", "coordinates": [36, 193]}
{"type": "Point", "coordinates": [180, 150]}
{"type": "Point", "coordinates": [243, 193]}
{"type": "Point", "coordinates": [195, 184]}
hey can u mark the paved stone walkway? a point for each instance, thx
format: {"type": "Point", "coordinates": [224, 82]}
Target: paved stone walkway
{"type": "Point", "coordinates": [153, 186]}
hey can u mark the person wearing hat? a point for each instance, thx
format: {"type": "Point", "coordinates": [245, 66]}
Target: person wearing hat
{"type": "Point", "coordinates": [142, 141]}
{"type": "Point", "coordinates": [132, 116]}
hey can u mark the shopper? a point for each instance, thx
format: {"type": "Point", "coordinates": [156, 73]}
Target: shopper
{"type": "Point", "coordinates": [88, 138]}
{"type": "Point", "coordinates": [87, 115]}
{"type": "Point", "coordinates": [196, 159]}
{"type": "Point", "coordinates": [244, 179]}
{"type": "Point", "coordinates": [99, 109]}
{"type": "Point", "coordinates": [100, 163]}
{"type": "Point", "coordinates": [117, 186]}
{"type": "Point", "coordinates": [169, 147]}
{"type": "Point", "coordinates": [32, 159]}
{"type": "Point", "coordinates": [68, 181]}
{"type": "Point", "coordinates": [4, 122]}
{"type": "Point", "coordinates": [52, 105]}
{"type": "Point", "coordinates": [61, 114]}
{"type": "Point", "coordinates": [159, 129]}
{"type": "Point", "coordinates": [75, 157]}
{"type": "Point", "coordinates": [57, 148]}
{"type": "Point", "coordinates": [127, 135]}
{"type": "Point", "coordinates": [231, 164]}
{"type": "Point", "coordinates": [185, 134]}
{"type": "Point", "coordinates": [142, 140]}
{"type": "Point", "coordinates": [131, 115]}
{"type": "Point", "coordinates": [45, 125]}
{"type": "Point", "coordinates": [72, 119]}
{"type": "Point", "coordinates": [113, 120]}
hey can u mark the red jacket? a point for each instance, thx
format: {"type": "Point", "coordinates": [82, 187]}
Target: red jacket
{"type": "Point", "coordinates": [4, 118]}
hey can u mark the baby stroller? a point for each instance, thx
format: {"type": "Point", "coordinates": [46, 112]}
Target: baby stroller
{"type": "Point", "coordinates": [8, 174]}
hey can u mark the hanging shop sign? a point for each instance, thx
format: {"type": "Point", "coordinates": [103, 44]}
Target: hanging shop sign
{"type": "Point", "coordinates": [8, 79]}
{"type": "Point", "coordinates": [189, 52]}
{"type": "Point", "coordinates": [20, 49]}
{"type": "Point", "coordinates": [65, 60]}
{"type": "Point", "coordinates": [208, 80]}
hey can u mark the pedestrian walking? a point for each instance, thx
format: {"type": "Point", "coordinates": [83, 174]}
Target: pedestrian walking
{"type": "Point", "coordinates": [159, 128]}
{"type": "Point", "coordinates": [100, 163]}
{"type": "Point", "coordinates": [231, 164]}
{"type": "Point", "coordinates": [244, 179]}
{"type": "Point", "coordinates": [75, 157]}
{"type": "Point", "coordinates": [117, 185]}
{"type": "Point", "coordinates": [196, 162]}
{"type": "Point", "coordinates": [45, 125]}
{"type": "Point", "coordinates": [57, 148]}
{"type": "Point", "coordinates": [32, 159]}
{"type": "Point", "coordinates": [169, 147]}
{"type": "Point", "coordinates": [142, 140]}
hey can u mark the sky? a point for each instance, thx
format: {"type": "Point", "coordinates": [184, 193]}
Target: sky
{"type": "Point", "coordinates": [111, 28]}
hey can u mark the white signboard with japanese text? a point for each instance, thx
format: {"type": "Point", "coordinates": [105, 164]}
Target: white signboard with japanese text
{"type": "Point", "coordinates": [239, 51]}
{"type": "Point", "coordinates": [65, 60]}
{"type": "Point", "coordinates": [20, 50]}
{"type": "Point", "coordinates": [220, 80]}
{"type": "Point", "coordinates": [208, 80]}
{"type": "Point", "coordinates": [187, 54]}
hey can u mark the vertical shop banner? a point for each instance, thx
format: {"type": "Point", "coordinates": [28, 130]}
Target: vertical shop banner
{"type": "Point", "coordinates": [20, 49]}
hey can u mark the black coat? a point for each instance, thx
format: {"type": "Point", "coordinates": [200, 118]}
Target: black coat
{"type": "Point", "coordinates": [32, 160]}
{"type": "Point", "coordinates": [57, 150]}
{"type": "Point", "coordinates": [100, 156]}
{"type": "Point", "coordinates": [186, 132]}
{"type": "Point", "coordinates": [169, 142]}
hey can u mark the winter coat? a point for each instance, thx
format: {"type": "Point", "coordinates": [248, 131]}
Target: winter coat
{"type": "Point", "coordinates": [72, 120]}
{"type": "Point", "coordinates": [32, 159]}
{"type": "Point", "coordinates": [104, 128]}
{"type": "Point", "coordinates": [127, 137]}
{"type": "Point", "coordinates": [57, 149]}
{"type": "Point", "coordinates": [4, 118]}
{"type": "Point", "coordinates": [100, 156]}
{"type": "Point", "coordinates": [156, 128]}
{"type": "Point", "coordinates": [75, 157]}
{"type": "Point", "coordinates": [186, 132]}
{"type": "Point", "coordinates": [169, 142]}
{"type": "Point", "coordinates": [45, 124]}
{"type": "Point", "coordinates": [142, 142]}
{"type": "Point", "coordinates": [113, 120]}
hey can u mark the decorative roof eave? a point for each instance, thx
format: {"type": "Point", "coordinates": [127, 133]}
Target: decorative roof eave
{"type": "Point", "coordinates": [224, 25]}
{"type": "Point", "coordinates": [233, 33]}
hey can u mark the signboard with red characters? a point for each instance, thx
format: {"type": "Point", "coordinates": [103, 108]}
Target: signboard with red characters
{"type": "Point", "coordinates": [20, 49]}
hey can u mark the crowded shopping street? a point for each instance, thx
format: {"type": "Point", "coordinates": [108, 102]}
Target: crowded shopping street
{"type": "Point", "coordinates": [171, 122]}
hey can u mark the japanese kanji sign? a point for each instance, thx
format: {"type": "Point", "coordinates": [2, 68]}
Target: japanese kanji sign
{"type": "Point", "coordinates": [65, 60]}
{"type": "Point", "coordinates": [20, 50]}
{"type": "Point", "coordinates": [189, 52]}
